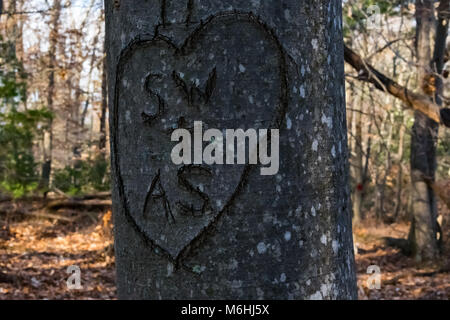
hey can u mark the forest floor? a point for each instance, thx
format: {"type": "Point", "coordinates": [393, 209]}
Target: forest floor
{"type": "Point", "coordinates": [401, 276]}
{"type": "Point", "coordinates": [36, 251]}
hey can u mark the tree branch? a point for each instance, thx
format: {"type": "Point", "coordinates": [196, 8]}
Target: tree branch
{"type": "Point", "coordinates": [413, 100]}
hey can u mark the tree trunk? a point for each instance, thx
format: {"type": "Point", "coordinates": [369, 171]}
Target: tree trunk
{"type": "Point", "coordinates": [104, 107]}
{"type": "Point", "coordinates": [423, 141]}
{"type": "Point", "coordinates": [358, 163]}
{"type": "Point", "coordinates": [226, 231]}
{"type": "Point", "coordinates": [399, 158]}
{"type": "Point", "coordinates": [14, 27]}
{"type": "Point", "coordinates": [381, 211]}
{"type": "Point", "coordinates": [48, 135]}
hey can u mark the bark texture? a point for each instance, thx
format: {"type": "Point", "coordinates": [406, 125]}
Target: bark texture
{"type": "Point", "coordinates": [225, 231]}
{"type": "Point", "coordinates": [424, 136]}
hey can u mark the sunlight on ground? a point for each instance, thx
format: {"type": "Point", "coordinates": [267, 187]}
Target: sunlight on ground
{"type": "Point", "coordinates": [35, 254]}
{"type": "Point", "coordinates": [401, 277]}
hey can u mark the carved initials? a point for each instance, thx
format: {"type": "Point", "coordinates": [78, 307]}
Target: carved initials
{"type": "Point", "coordinates": [193, 94]}
{"type": "Point", "coordinates": [180, 234]}
{"type": "Point", "coordinates": [155, 193]}
{"type": "Point", "coordinates": [146, 117]}
{"type": "Point", "coordinates": [186, 184]}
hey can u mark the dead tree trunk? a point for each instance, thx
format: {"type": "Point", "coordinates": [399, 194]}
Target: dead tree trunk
{"type": "Point", "coordinates": [415, 101]}
{"type": "Point", "coordinates": [226, 231]}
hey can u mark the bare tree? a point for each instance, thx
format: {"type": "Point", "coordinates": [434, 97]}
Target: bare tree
{"type": "Point", "coordinates": [48, 137]}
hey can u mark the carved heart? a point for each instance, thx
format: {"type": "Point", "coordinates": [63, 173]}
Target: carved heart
{"type": "Point", "coordinates": [230, 72]}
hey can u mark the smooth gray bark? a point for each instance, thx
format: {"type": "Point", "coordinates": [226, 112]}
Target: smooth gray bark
{"type": "Point", "coordinates": [231, 64]}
